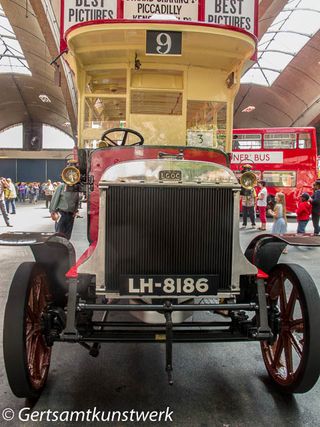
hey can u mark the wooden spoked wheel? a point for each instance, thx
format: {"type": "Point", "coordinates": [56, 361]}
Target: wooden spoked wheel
{"type": "Point", "coordinates": [292, 359]}
{"type": "Point", "coordinates": [26, 355]}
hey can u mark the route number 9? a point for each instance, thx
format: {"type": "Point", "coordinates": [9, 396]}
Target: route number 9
{"type": "Point", "coordinates": [163, 42]}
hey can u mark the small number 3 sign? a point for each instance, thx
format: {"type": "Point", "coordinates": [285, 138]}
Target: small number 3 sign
{"type": "Point", "coordinates": [163, 43]}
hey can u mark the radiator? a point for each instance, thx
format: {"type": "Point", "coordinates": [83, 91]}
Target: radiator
{"type": "Point", "coordinates": [168, 230]}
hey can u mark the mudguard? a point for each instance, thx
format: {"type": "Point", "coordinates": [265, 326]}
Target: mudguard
{"type": "Point", "coordinates": [264, 250]}
{"type": "Point", "coordinates": [52, 250]}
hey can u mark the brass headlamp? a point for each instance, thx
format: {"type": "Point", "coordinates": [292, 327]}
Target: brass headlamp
{"type": "Point", "coordinates": [248, 180]}
{"type": "Point", "coordinates": [71, 174]}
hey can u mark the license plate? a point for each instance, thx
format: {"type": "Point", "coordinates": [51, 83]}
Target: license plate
{"type": "Point", "coordinates": [173, 285]}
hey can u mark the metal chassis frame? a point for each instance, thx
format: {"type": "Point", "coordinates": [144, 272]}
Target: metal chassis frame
{"type": "Point", "coordinates": [168, 332]}
{"type": "Point", "coordinates": [115, 334]}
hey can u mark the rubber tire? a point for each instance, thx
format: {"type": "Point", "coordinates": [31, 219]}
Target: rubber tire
{"type": "Point", "coordinates": [14, 349]}
{"type": "Point", "coordinates": [310, 304]}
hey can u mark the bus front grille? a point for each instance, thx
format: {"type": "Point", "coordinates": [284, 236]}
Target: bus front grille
{"type": "Point", "coordinates": [163, 230]}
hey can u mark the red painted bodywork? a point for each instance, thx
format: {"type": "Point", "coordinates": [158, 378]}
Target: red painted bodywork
{"type": "Point", "coordinates": [102, 159]}
{"type": "Point", "coordinates": [262, 275]}
{"type": "Point", "coordinates": [301, 160]}
{"type": "Point", "coordinates": [73, 272]}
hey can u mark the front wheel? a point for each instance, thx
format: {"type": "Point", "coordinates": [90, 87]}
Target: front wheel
{"type": "Point", "coordinates": [26, 354]}
{"type": "Point", "coordinates": [292, 359]}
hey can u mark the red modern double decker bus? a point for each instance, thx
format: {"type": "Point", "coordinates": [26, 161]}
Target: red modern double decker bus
{"type": "Point", "coordinates": [286, 158]}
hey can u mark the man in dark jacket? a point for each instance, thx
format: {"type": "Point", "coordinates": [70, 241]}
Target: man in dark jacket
{"type": "Point", "coordinates": [315, 201]}
{"type": "Point", "coordinates": [64, 204]}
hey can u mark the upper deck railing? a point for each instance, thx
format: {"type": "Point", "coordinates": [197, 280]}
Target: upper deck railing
{"type": "Point", "coordinates": [225, 13]}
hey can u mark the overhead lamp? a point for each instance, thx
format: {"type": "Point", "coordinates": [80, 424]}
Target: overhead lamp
{"type": "Point", "coordinates": [66, 124]}
{"type": "Point", "coordinates": [249, 109]}
{"type": "Point", "coordinates": [44, 98]}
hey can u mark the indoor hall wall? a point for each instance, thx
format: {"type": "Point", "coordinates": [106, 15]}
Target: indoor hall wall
{"type": "Point", "coordinates": [30, 170]}
{"type": "Point", "coordinates": [29, 166]}
{"type": "Point", "coordinates": [43, 154]}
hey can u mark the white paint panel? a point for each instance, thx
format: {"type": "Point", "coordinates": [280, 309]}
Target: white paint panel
{"type": "Point", "coordinates": [79, 11]}
{"type": "Point", "coordinates": [200, 138]}
{"type": "Point", "coordinates": [186, 10]}
{"type": "Point", "coordinates": [238, 13]}
{"type": "Point", "coordinates": [267, 157]}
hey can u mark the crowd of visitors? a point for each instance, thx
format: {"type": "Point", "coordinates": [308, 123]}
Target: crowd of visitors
{"type": "Point", "coordinates": [61, 200]}
{"type": "Point", "coordinates": [307, 205]}
{"type": "Point", "coordinates": [10, 193]}
{"type": "Point", "coordinates": [35, 191]}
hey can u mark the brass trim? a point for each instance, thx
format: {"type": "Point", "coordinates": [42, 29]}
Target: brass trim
{"type": "Point", "coordinates": [65, 172]}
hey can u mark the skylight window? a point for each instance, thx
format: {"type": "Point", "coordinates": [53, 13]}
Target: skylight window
{"type": "Point", "coordinates": [12, 59]}
{"type": "Point", "coordinates": [290, 31]}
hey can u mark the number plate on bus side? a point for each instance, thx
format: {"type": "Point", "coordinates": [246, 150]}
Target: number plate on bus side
{"type": "Point", "coordinates": [173, 285]}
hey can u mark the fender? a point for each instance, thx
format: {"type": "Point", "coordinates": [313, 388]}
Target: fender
{"type": "Point", "coordinates": [264, 250]}
{"type": "Point", "coordinates": [52, 250]}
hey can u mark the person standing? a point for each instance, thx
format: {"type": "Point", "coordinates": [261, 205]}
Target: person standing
{"type": "Point", "coordinates": [315, 201]}
{"type": "Point", "coordinates": [48, 192]}
{"type": "Point", "coordinates": [37, 193]}
{"type": "Point", "coordinates": [23, 191]}
{"type": "Point", "coordinates": [31, 192]}
{"type": "Point", "coordinates": [65, 202]}
{"type": "Point", "coordinates": [303, 213]}
{"type": "Point", "coordinates": [34, 193]}
{"type": "Point", "coordinates": [262, 204]}
{"type": "Point", "coordinates": [280, 216]}
{"type": "Point", "coordinates": [235, 143]}
{"type": "Point", "coordinates": [3, 185]}
{"type": "Point", "coordinates": [248, 204]}
{"type": "Point", "coordinates": [10, 196]}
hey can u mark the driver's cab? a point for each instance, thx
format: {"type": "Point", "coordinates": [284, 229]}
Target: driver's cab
{"type": "Point", "coordinates": [163, 105]}
{"type": "Point", "coordinates": [180, 99]}
{"type": "Point", "coordinates": [135, 104]}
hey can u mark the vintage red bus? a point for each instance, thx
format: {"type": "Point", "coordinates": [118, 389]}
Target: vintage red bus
{"type": "Point", "coordinates": [163, 211]}
{"type": "Point", "coordinates": [286, 158]}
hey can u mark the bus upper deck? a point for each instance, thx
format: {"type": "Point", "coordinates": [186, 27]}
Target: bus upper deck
{"type": "Point", "coordinates": [171, 77]}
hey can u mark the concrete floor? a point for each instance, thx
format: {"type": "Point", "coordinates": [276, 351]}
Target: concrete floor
{"type": "Point", "coordinates": [215, 384]}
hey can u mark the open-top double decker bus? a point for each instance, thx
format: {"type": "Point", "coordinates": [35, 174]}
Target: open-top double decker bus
{"type": "Point", "coordinates": [163, 214]}
{"type": "Point", "coordinates": [286, 158]}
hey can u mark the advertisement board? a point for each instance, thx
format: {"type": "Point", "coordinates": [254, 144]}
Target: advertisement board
{"type": "Point", "coordinates": [186, 10]}
{"type": "Point", "coordinates": [238, 13]}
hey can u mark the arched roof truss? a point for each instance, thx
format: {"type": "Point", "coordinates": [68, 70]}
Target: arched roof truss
{"type": "Point", "coordinates": [294, 26]}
